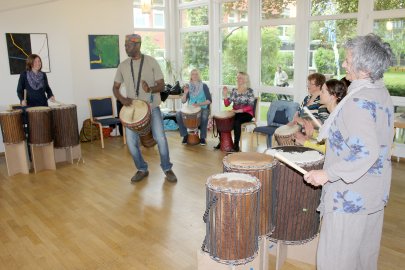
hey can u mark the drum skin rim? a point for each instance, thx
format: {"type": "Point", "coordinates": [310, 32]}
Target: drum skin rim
{"type": "Point", "coordinates": [302, 163]}
{"type": "Point", "coordinates": [242, 191]}
{"type": "Point", "coordinates": [38, 109]}
{"type": "Point", "coordinates": [12, 111]}
{"type": "Point", "coordinates": [228, 164]}
{"type": "Point", "coordinates": [223, 115]}
{"type": "Point", "coordinates": [124, 109]}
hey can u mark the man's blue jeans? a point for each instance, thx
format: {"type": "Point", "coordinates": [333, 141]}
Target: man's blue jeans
{"type": "Point", "coordinates": [159, 136]}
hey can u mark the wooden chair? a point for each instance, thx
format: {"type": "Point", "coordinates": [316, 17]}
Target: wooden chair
{"type": "Point", "coordinates": [254, 121]}
{"type": "Point", "coordinates": [102, 114]}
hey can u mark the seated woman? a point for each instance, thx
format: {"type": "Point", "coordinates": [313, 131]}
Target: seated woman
{"type": "Point", "coordinates": [314, 85]}
{"type": "Point", "coordinates": [197, 94]}
{"type": "Point", "coordinates": [333, 91]}
{"type": "Point", "coordinates": [243, 100]}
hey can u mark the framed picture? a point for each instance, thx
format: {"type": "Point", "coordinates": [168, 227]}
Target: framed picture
{"type": "Point", "coordinates": [20, 46]}
{"type": "Point", "coordinates": [104, 51]}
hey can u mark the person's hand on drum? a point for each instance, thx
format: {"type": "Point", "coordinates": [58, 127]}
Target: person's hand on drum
{"type": "Point", "coordinates": [146, 87]}
{"type": "Point", "coordinates": [316, 177]}
{"type": "Point", "coordinates": [23, 102]}
{"type": "Point", "coordinates": [196, 105]}
{"type": "Point", "coordinates": [309, 127]}
{"type": "Point", "coordinates": [52, 98]}
{"type": "Point", "coordinates": [300, 138]}
{"type": "Point", "coordinates": [125, 101]}
{"type": "Point", "coordinates": [224, 92]}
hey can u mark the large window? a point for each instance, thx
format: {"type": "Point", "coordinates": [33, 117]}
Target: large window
{"type": "Point", "coordinates": [234, 11]}
{"type": "Point", "coordinates": [333, 7]}
{"type": "Point", "coordinates": [326, 40]}
{"type": "Point", "coordinates": [271, 9]}
{"type": "Point", "coordinates": [194, 41]}
{"type": "Point", "coordinates": [278, 44]}
{"type": "Point", "coordinates": [393, 32]}
{"type": "Point", "coordinates": [149, 22]}
{"type": "Point", "coordinates": [234, 53]}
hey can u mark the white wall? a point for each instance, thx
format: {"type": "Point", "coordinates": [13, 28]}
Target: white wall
{"type": "Point", "coordinates": [68, 24]}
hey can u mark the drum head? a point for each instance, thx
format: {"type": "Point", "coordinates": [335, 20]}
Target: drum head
{"type": "Point", "coordinates": [63, 106]}
{"type": "Point", "coordinates": [287, 130]}
{"type": "Point", "coordinates": [38, 109]}
{"type": "Point", "coordinates": [190, 109]}
{"type": "Point", "coordinates": [10, 112]}
{"type": "Point", "coordinates": [233, 183]}
{"type": "Point", "coordinates": [224, 114]}
{"type": "Point", "coordinates": [297, 154]}
{"type": "Point", "coordinates": [248, 160]}
{"type": "Point", "coordinates": [135, 112]}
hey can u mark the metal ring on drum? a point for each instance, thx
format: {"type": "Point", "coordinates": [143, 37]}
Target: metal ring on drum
{"type": "Point", "coordinates": [191, 116]}
{"type": "Point", "coordinates": [232, 218]}
{"type": "Point", "coordinates": [294, 202]}
{"type": "Point", "coordinates": [137, 117]}
{"type": "Point", "coordinates": [224, 123]}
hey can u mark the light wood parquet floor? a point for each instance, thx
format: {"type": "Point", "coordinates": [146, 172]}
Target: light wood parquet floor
{"type": "Point", "coordinates": [89, 216]}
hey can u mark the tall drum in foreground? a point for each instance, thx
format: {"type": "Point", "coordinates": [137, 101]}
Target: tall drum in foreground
{"type": "Point", "coordinates": [232, 218]}
{"type": "Point", "coordinates": [64, 126]}
{"type": "Point", "coordinates": [294, 214]}
{"type": "Point", "coordinates": [39, 125]}
{"type": "Point", "coordinates": [258, 165]}
{"type": "Point", "coordinates": [12, 129]}
{"type": "Point", "coordinates": [137, 117]}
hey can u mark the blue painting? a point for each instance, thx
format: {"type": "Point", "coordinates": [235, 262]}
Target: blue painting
{"type": "Point", "coordinates": [104, 51]}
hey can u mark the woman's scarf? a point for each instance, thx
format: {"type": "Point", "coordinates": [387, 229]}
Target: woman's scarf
{"type": "Point", "coordinates": [35, 80]}
{"type": "Point", "coordinates": [195, 88]}
{"type": "Point", "coordinates": [354, 87]}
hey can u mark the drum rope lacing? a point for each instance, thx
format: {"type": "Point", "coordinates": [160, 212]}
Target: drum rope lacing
{"type": "Point", "coordinates": [206, 217]}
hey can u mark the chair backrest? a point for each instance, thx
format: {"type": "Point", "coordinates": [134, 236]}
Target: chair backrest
{"type": "Point", "coordinates": [281, 112]}
{"type": "Point", "coordinates": [101, 107]}
{"type": "Point", "coordinates": [256, 110]}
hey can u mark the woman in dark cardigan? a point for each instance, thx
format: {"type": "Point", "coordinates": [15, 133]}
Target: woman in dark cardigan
{"type": "Point", "coordinates": [35, 83]}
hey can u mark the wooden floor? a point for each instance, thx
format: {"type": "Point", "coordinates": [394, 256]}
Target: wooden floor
{"type": "Point", "coordinates": [89, 216]}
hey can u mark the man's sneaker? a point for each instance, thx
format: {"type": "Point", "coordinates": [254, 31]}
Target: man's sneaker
{"type": "Point", "coordinates": [203, 142]}
{"type": "Point", "coordinates": [184, 141]}
{"type": "Point", "coordinates": [139, 176]}
{"type": "Point", "coordinates": [170, 176]}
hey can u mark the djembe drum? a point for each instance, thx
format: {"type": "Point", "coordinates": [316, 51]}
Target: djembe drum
{"type": "Point", "coordinates": [232, 217]}
{"type": "Point", "coordinates": [12, 128]}
{"type": "Point", "coordinates": [191, 118]}
{"type": "Point", "coordinates": [39, 125]}
{"type": "Point", "coordinates": [294, 215]}
{"type": "Point", "coordinates": [284, 135]}
{"type": "Point", "coordinates": [260, 166]}
{"type": "Point", "coordinates": [137, 117]}
{"type": "Point", "coordinates": [64, 126]}
{"type": "Point", "coordinates": [224, 123]}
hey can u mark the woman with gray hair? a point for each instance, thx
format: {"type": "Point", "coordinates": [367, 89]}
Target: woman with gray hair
{"type": "Point", "coordinates": [356, 176]}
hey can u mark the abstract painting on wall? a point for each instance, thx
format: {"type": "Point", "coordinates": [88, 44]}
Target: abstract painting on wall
{"type": "Point", "coordinates": [104, 51]}
{"type": "Point", "coordinates": [20, 46]}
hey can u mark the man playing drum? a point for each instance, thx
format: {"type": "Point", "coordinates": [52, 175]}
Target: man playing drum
{"type": "Point", "coordinates": [143, 80]}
